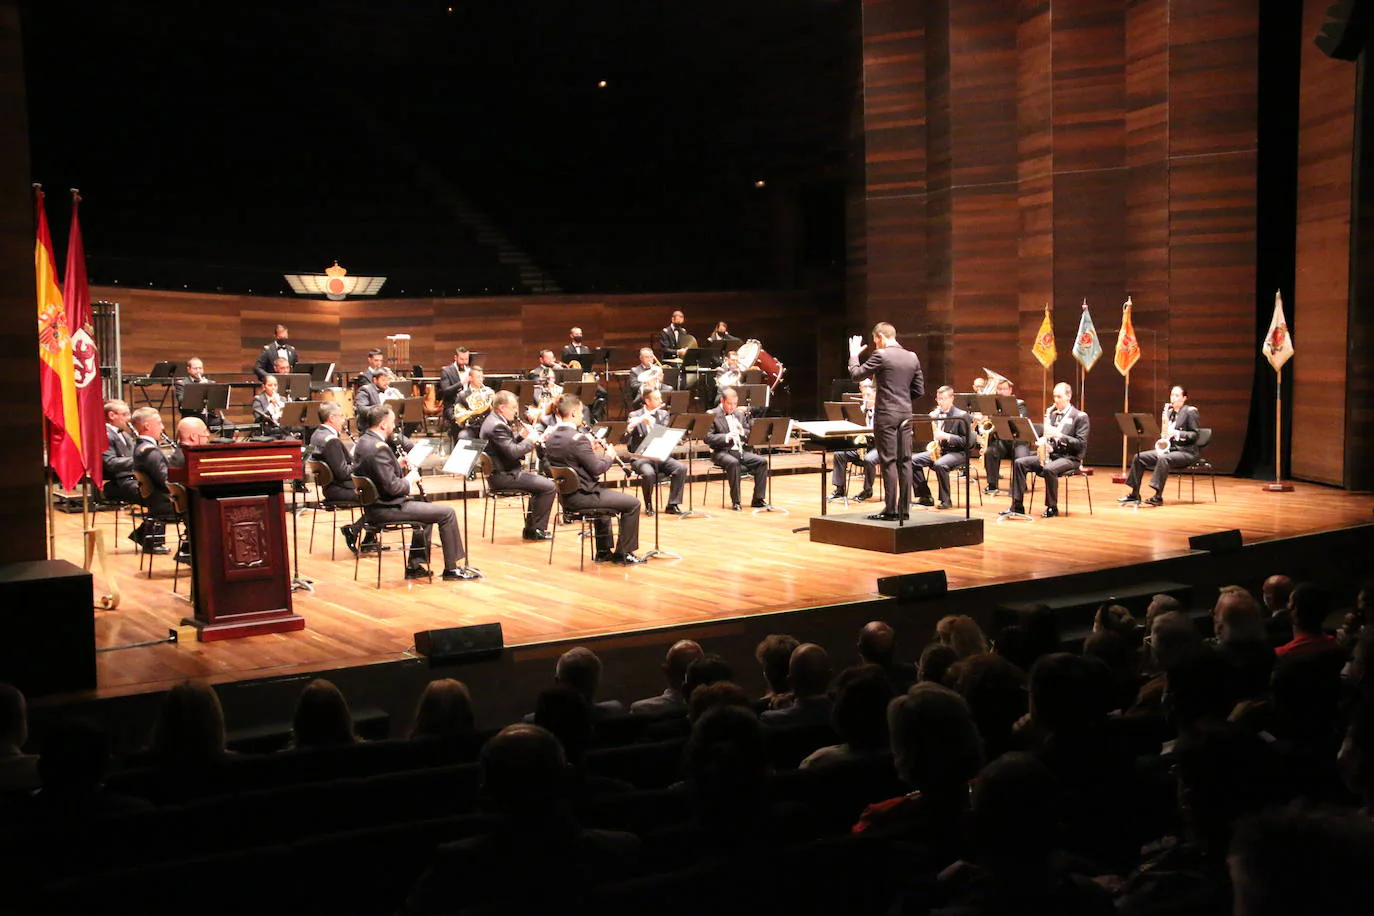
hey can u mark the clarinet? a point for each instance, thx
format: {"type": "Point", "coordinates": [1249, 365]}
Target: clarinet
{"type": "Point", "coordinates": [400, 451]}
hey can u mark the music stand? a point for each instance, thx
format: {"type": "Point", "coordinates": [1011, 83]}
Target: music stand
{"type": "Point", "coordinates": [694, 426]}
{"type": "Point", "coordinates": [657, 445]}
{"type": "Point", "coordinates": [568, 377]}
{"type": "Point", "coordinates": [193, 397]}
{"type": "Point", "coordinates": [1015, 429]}
{"type": "Point", "coordinates": [294, 413]}
{"type": "Point", "coordinates": [585, 391]}
{"type": "Point", "coordinates": [1136, 426]}
{"type": "Point", "coordinates": [523, 388]}
{"type": "Point", "coordinates": [772, 432]}
{"type": "Point", "coordinates": [702, 357]}
{"type": "Point", "coordinates": [462, 462]}
{"type": "Point", "coordinates": [677, 401]}
{"type": "Point", "coordinates": [752, 396]}
{"type": "Point", "coordinates": [854, 413]}
{"type": "Point", "coordinates": [834, 411]}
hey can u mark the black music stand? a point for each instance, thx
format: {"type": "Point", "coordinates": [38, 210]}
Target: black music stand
{"type": "Point", "coordinates": [677, 401]}
{"type": "Point", "coordinates": [1015, 429]}
{"type": "Point", "coordinates": [755, 397]}
{"type": "Point", "coordinates": [1136, 427]}
{"type": "Point", "coordinates": [772, 432]}
{"type": "Point", "coordinates": [702, 357]}
{"type": "Point", "coordinates": [657, 445]}
{"type": "Point", "coordinates": [695, 426]}
{"type": "Point", "coordinates": [294, 414]}
{"type": "Point", "coordinates": [462, 462]}
{"type": "Point", "coordinates": [523, 388]}
{"type": "Point", "coordinates": [194, 399]}
{"type": "Point", "coordinates": [568, 377]}
{"type": "Point", "coordinates": [294, 386]}
{"type": "Point", "coordinates": [585, 391]}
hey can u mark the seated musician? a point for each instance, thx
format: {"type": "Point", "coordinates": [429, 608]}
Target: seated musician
{"type": "Point", "coordinates": [281, 366]}
{"type": "Point", "coordinates": [190, 431]}
{"type": "Point", "coordinates": [953, 441]}
{"type": "Point", "coordinates": [376, 459]}
{"type": "Point", "coordinates": [577, 351]}
{"type": "Point", "coordinates": [117, 461]}
{"type": "Point", "coordinates": [568, 448]}
{"type": "Point", "coordinates": [641, 421]}
{"type": "Point", "coordinates": [507, 448]}
{"type": "Point", "coordinates": [149, 460]}
{"type": "Point", "coordinates": [473, 403]}
{"type": "Point", "coordinates": [267, 408]}
{"type": "Point", "coordinates": [1176, 448]}
{"type": "Point", "coordinates": [1065, 441]}
{"type": "Point", "coordinates": [721, 332]}
{"type": "Point", "coordinates": [727, 440]}
{"type": "Point", "coordinates": [453, 378]}
{"type": "Point", "coordinates": [376, 359]}
{"type": "Point", "coordinates": [378, 391]}
{"type": "Point", "coordinates": [730, 373]}
{"type": "Point", "coordinates": [195, 375]}
{"type": "Point", "coordinates": [839, 474]}
{"type": "Point", "coordinates": [648, 372]}
{"type": "Point", "coordinates": [542, 374]}
{"type": "Point", "coordinates": [327, 445]}
{"type": "Point", "coordinates": [999, 449]}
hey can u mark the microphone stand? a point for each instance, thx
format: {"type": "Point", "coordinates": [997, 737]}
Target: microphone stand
{"type": "Point", "coordinates": [653, 499]}
{"type": "Point", "coordinates": [467, 541]}
{"type": "Point", "coordinates": [299, 583]}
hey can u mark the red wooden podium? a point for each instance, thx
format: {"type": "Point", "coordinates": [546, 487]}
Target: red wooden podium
{"type": "Point", "coordinates": [240, 570]}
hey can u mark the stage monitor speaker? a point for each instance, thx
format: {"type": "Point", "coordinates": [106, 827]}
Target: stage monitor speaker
{"type": "Point", "coordinates": [461, 644]}
{"type": "Point", "coordinates": [49, 625]}
{"type": "Point", "coordinates": [914, 586]}
{"type": "Point", "coordinates": [1217, 542]}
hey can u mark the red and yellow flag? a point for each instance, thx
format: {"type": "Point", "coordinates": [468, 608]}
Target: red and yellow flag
{"type": "Point", "coordinates": [90, 402]}
{"type": "Point", "coordinates": [1127, 347]}
{"type": "Point", "coordinates": [56, 370]}
{"type": "Point", "coordinates": [1043, 348]}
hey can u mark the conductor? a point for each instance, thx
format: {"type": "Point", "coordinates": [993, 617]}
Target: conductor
{"type": "Point", "coordinates": [897, 374]}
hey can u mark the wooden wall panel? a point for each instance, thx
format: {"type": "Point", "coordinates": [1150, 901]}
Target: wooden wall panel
{"type": "Point", "coordinates": [1320, 303]}
{"type": "Point", "coordinates": [1035, 198]}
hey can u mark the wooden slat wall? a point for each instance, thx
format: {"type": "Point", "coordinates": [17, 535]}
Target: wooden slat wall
{"type": "Point", "coordinates": [1321, 300]}
{"type": "Point", "coordinates": [1073, 148]}
{"type": "Point", "coordinates": [21, 486]}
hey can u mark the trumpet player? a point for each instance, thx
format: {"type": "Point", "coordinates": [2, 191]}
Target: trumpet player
{"type": "Point", "coordinates": [945, 451]}
{"type": "Point", "coordinates": [543, 373]}
{"type": "Point", "coordinates": [569, 448]}
{"type": "Point", "coordinates": [649, 372]}
{"type": "Point", "coordinates": [507, 447]}
{"type": "Point", "coordinates": [641, 421]}
{"type": "Point", "coordinates": [1175, 448]}
{"type": "Point", "coordinates": [473, 404]}
{"type": "Point", "coordinates": [839, 474]}
{"type": "Point", "coordinates": [999, 448]}
{"type": "Point", "coordinates": [1063, 442]}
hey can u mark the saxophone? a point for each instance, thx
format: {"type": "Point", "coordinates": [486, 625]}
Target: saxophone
{"type": "Point", "coordinates": [1042, 446]}
{"type": "Point", "coordinates": [933, 446]}
{"type": "Point", "coordinates": [1166, 431]}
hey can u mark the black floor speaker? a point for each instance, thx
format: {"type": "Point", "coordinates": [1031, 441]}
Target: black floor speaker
{"type": "Point", "coordinates": [47, 614]}
{"type": "Point", "coordinates": [1217, 542]}
{"type": "Point", "coordinates": [914, 586]}
{"type": "Point", "coordinates": [461, 644]}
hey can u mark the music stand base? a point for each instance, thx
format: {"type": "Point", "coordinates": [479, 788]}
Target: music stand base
{"type": "Point", "coordinates": [664, 554]}
{"type": "Point", "coordinates": [771, 508]}
{"type": "Point", "coordinates": [477, 573]}
{"type": "Point", "coordinates": [1277, 487]}
{"type": "Point", "coordinates": [302, 584]}
{"type": "Point", "coordinates": [1014, 516]}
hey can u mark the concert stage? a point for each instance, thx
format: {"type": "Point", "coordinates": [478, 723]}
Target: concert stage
{"type": "Point", "coordinates": [736, 566]}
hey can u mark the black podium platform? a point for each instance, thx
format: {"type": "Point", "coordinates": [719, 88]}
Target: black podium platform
{"type": "Point", "coordinates": [923, 531]}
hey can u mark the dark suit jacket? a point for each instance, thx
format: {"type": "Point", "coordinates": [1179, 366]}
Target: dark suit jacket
{"type": "Point", "coordinates": [576, 352]}
{"type": "Point", "coordinates": [451, 381]}
{"type": "Point", "coordinates": [369, 395]}
{"type": "Point", "coordinates": [148, 459]}
{"type": "Point", "coordinates": [1073, 441]}
{"type": "Point", "coordinates": [1186, 426]}
{"type": "Point", "coordinates": [670, 341]}
{"type": "Point", "coordinates": [374, 459]}
{"type": "Point", "coordinates": [118, 458]}
{"type": "Point", "coordinates": [506, 452]}
{"type": "Point", "coordinates": [327, 446]}
{"type": "Point", "coordinates": [268, 357]}
{"type": "Point", "coordinates": [718, 439]}
{"type": "Point", "coordinates": [567, 448]}
{"type": "Point", "coordinates": [637, 435]}
{"type": "Point", "coordinates": [958, 430]}
{"type": "Point", "coordinates": [897, 374]}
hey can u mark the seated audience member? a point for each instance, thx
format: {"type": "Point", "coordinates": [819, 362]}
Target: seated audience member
{"type": "Point", "coordinates": [1161, 604]}
{"type": "Point", "coordinates": [18, 771]}
{"type": "Point", "coordinates": [1171, 636]}
{"type": "Point", "coordinates": [703, 672]}
{"type": "Point", "coordinates": [859, 715]}
{"type": "Point", "coordinates": [1275, 593]}
{"type": "Point", "coordinates": [1242, 640]}
{"type": "Point", "coordinates": [719, 693]}
{"type": "Point", "coordinates": [580, 669]}
{"type": "Point", "coordinates": [1114, 618]}
{"type": "Point", "coordinates": [75, 760]}
{"type": "Point", "coordinates": [774, 655]}
{"type": "Point", "coordinates": [1355, 624]}
{"type": "Point", "coordinates": [808, 676]}
{"type": "Point", "coordinates": [538, 857]}
{"type": "Point", "coordinates": [937, 751]}
{"type": "Point", "coordinates": [1357, 671]}
{"type": "Point", "coordinates": [188, 741]}
{"type": "Point", "coordinates": [1356, 756]}
{"type": "Point", "coordinates": [1295, 860]}
{"type": "Point", "coordinates": [995, 690]}
{"type": "Point", "coordinates": [1308, 607]}
{"type": "Point", "coordinates": [322, 717]}
{"type": "Point", "coordinates": [444, 715]}
{"type": "Point", "coordinates": [962, 634]}
{"type": "Point", "coordinates": [1198, 689]}
{"type": "Point", "coordinates": [1017, 867]}
{"type": "Point", "coordinates": [1122, 661]}
{"type": "Point", "coordinates": [878, 646]}
{"type": "Point", "coordinates": [671, 702]}
{"type": "Point", "coordinates": [1306, 717]}
{"type": "Point", "coordinates": [567, 715]}
{"type": "Point", "coordinates": [1224, 774]}
{"type": "Point", "coordinates": [936, 660]}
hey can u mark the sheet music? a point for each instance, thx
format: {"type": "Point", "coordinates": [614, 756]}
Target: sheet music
{"type": "Point", "coordinates": [659, 443]}
{"type": "Point", "coordinates": [416, 457]}
{"type": "Point", "coordinates": [824, 429]}
{"type": "Point", "coordinates": [463, 459]}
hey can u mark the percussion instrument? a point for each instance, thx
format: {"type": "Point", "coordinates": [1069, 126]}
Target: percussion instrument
{"type": "Point", "coordinates": [341, 396]}
{"type": "Point", "coordinates": [748, 353]}
{"type": "Point", "coordinates": [771, 368]}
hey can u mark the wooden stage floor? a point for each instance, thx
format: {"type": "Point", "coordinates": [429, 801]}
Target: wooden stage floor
{"type": "Point", "coordinates": [733, 564]}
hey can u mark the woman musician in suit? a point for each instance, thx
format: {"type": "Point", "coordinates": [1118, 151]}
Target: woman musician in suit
{"type": "Point", "coordinates": [267, 408]}
{"type": "Point", "coordinates": [1176, 448]}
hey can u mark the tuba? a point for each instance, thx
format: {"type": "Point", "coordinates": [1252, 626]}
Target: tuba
{"type": "Point", "coordinates": [982, 431]}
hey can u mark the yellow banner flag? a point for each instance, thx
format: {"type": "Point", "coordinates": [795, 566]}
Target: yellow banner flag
{"type": "Point", "coordinates": [1043, 349]}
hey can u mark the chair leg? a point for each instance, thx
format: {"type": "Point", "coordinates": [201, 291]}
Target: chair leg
{"type": "Point", "coordinates": [1213, 478]}
{"type": "Point", "coordinates": [553, 535]}
{"type": "Point", "coordinates": [313, 514]}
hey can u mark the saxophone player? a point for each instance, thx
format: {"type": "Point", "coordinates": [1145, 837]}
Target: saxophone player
{"type": "Point", "coordinates": [1064, 440]}
{"type": "Point", "coordinates": [952, 442]}
{"type": "Point", "coordinates": [998, 448]}
{"type": "Point", "coordinates": [1175, 449]}
{"type": "Point", "coordinates": [473, 404]}
{"type": "Point", "coordinates": [839, 474]}
{"type": "Point", "coordinates": [267, 408]}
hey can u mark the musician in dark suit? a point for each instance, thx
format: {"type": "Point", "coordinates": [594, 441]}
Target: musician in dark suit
{"type": "Point", "coordinates": [672, 340]}
{"type": "Point", "coordinates": [998, 448]}
{"type": "Point", "coordinates": [897, 373]}
{"type": "Point", "coordinates": [507, 449]}
{"type": "Point", "coordinates": [730, 425]}
{"type": "Point", "coordinates": [577, 351]}
{"type": "Point", "coordinates": [376, 359]}
{"type": "Point", "coordinates": [327, 445]}
{"type": "Point", "coordinates": [453, 378]}
{"type": "Point", "coordinates": [117, 461]}
{"type": "Point", "coordinates": [375, 459]}
{"type": "Point", "coordinates": [190, 431]}
{"type": "Point", "coordinates": [378, 391]}
{"type": "Point", "coordinates": [195, 375]}
{"type": "Point", "coordinates": [278, 348]}
{"type": "Point", "coordinates": [1176, 448]}
{"type": "Point", "coordinates": [839, 474]}
{"type": "Point", "coordinates": [267, 408]}
{"type": "Point", "coordinates": [543, 375]}
{"type": "Point", "coordinates": [568, 448]}
{"type": "Point", "coordinates": [149, 460]}
{"type": "Point", "coordinates": [640, 422]}
{"type": "Point", "coordinates": [953, 440]}
{"type": "Point", "coordinates": [1066, 437]}
{"type": "Point", "coordinates": [470, 399]}
{"type": "Point", "coordinates": [647, 374]}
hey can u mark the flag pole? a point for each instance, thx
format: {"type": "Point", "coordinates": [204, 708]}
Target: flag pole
{"type": "Point", "coordinates": [48, 492]}
{"type": "Point", "coordinates": [1125, 443]}
{"type": "Point", "coordinates": [1278, 486]}
{"type": "Point", "coordinates": [95, 550]}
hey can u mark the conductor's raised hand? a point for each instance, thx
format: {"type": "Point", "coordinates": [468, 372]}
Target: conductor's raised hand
{"type": "Point", "coordinates": [856, 345]}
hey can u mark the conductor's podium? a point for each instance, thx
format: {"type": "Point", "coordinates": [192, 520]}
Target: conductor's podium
{"type": "Point", "coordinates": [240, 569]}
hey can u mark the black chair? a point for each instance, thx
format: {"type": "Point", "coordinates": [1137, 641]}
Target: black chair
{"type": "Point", "coordinates": [566, 481]}
{"type": "Point", "coordinates": [1199, 468]}
{"type": "Point", "coordinates": [491, 496]}
{"type": "Point", "coordinates": [176, 518]}
{"type": "Point", "coordinates": [323, 477]}
{"type": "Point", "coordinates": [367, 495]}
{"type": "Point", "coordinates": [1080, 472]}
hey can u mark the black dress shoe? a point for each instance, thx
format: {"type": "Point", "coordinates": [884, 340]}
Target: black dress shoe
{"type": "Point", "coordinates": [1129, 498]}
{"type": "Point", "coordinates": [673, 509]}
{"type": "Point", "coordinates": [158, 549]}
{"type": "Point", "coordinates": [648, 511]}
{"type": "Point", "coordinates": [991, 491]}
{"type": "Point", "coordinates": [1050, 512]}
{"type": "Point", "coordinates": [536, 534]}
{"type": "Point", "coordinates": [350, 538]}
{"type": "Point", "coordinates": [603, 555]}
{"type": "Point", "coordinates": [925, 501]}
{"type": "Point", "coordinates": [759, 503]}
{"type": "Point", "coordinates": [837, 493]}
{"type": "Point", "coordinates": [627, 559]}
{"type": "Point", "coordinates": [418, 572]}
{"type": "Point", "coordinates": [1014, 510]}
{"type": "Point", "coordinates": [863, 495]}
{"type": "Point", "coordinates": [461, 574]}
{"type": "Point", "coordinates": [735, 506]}
{"type": "Point", "coordinates": [1155, 500]}
{"type": "Point", "coordinates": [945, 505]}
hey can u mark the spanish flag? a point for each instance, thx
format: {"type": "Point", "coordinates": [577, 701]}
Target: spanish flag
{"type": "Point", "coordinates": [1043, 349]}
{"type": "Point", "coordinates": [1127, 347]}
{"type": "Point", "coordinates": [57, 371]}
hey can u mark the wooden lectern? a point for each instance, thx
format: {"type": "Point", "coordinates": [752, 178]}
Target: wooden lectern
{"type": "Point", "coordinates": [240, 569]}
